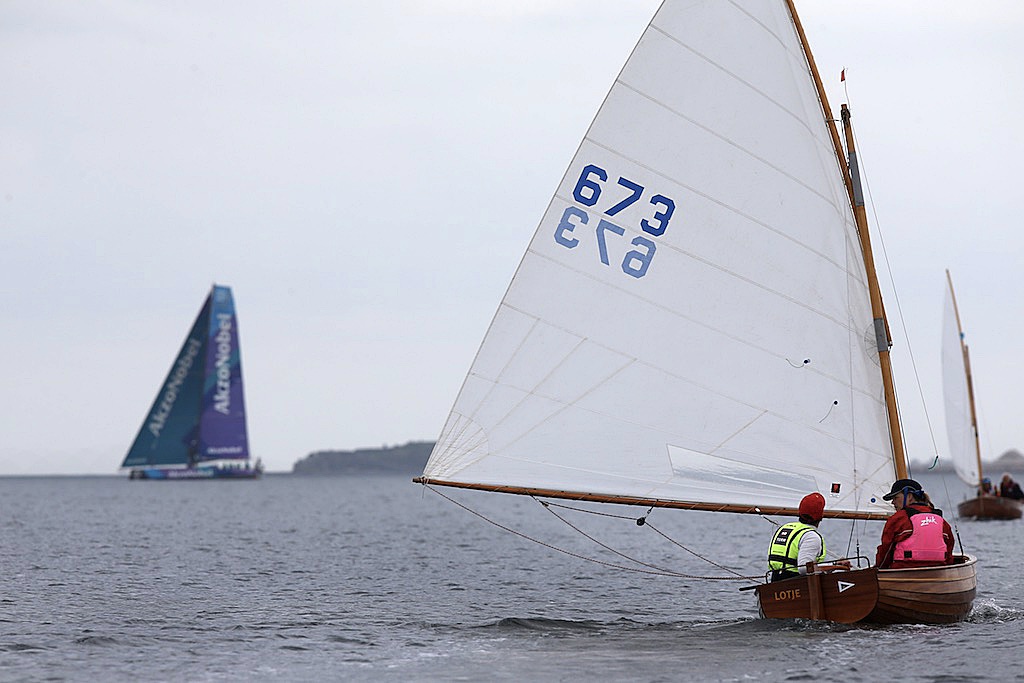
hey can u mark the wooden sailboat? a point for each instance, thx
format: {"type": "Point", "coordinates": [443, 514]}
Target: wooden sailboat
{"type": "Point", "coordinates": [930, 595]}
{"type": "Point", "coordinates": [696, 322]}
{"type": "Point", "coordinates": [962, 420]}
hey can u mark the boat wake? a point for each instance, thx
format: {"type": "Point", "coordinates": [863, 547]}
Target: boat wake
{"type": "Point", "coordinates": [552, 626]}
{"type": "Point", "coordinates": [20, 647]}
{"type": "Point", "coordinates": [988, 612]}
{"type": "Point", "coordinates": [569, 626]}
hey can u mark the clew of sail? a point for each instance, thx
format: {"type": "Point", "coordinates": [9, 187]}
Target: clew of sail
{"type": "Point", "coordinates": [691, 323]}
{"type": "Point", "coordinates": [960, 421]}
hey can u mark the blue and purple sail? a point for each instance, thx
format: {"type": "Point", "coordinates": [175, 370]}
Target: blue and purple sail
{"type": "Point", "coordinates": [196, 427]}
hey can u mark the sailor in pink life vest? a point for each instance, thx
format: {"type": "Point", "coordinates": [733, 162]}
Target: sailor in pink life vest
{"type": "Point", "coordinates": [916, 535]}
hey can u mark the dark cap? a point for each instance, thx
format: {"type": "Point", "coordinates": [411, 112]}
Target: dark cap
{"type": "Point", "coordinates": [901, 485]}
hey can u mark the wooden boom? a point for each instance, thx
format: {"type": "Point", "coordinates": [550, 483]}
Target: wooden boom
{"type": "Point", "coordinates": [646, 502]}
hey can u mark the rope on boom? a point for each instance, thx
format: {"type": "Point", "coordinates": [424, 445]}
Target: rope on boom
{"type": "Point", "coordinates": [651, 569]}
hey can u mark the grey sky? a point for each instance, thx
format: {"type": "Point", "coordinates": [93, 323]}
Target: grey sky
{"type": "Point", "coordinates": [366, 176]}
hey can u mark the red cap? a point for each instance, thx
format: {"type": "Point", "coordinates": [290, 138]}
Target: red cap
{"type": "Point", "coordinates": [813, 505]}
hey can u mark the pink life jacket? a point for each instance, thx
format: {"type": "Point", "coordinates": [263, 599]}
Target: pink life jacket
{"type": "Point", "coordinates": [925, 543]}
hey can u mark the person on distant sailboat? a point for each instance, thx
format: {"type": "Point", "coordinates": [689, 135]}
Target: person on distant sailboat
{"type": "Point", "coordinates": [916, 535]}
{"type": "Point", "coordinates": [797, 543]}
{"type": "Point", "coordinates": [1008, 488]}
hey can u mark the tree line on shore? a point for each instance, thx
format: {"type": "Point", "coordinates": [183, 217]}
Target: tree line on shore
{"type": "Point", "coordinates": [409, 458]}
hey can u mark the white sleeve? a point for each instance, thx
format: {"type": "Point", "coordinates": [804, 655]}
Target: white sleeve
{"type": "Point", "coordinates": [809, 550]}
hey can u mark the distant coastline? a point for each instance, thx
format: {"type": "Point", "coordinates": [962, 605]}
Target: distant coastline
{"type": "Point", "coordinates": [410, 459]}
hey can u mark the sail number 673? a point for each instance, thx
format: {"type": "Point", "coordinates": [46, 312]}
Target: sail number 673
{"type": "Point", "coordinates": [588, 191]}
{"type": "Point", "coordinates": [589, 188]}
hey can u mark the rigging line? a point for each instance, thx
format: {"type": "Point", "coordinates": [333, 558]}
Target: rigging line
{"type": "Point", "coordinates": [548, 545]}
{"type": "Point", "coordinates": [603, 545]}
{"type": "Point", "coordinates": [834, 404]}
{"type": "Point", "coordinates": [583, 557]}
{"type": "Point", "coordinates": [642, 521]}
{"type": "Point", "coordinates": [849, 541]}
{"type": "Point", "coordinates": [738, 576]}
{"type": "Point", "coordinates": [896, 297]}
{"type": "Point", "coordinates": [853, 342]}
{"type": "Point", "coordinates": [589, 512]}
{"type": "Point", "coordinates": [956, 514]}
{"type": "Point", "coordinates": [766, 518]}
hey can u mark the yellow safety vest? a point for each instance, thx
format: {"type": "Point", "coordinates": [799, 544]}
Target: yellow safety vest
{"type": "Point", "coordinates": [784, 551]}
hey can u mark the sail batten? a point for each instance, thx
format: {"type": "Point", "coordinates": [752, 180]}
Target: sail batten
{"type": "Point", "coordinates": [691, 322]}
{"type": "Point", "coordinates": [727, 141]}
{"type": "Point", "coordinates": [708, 324]}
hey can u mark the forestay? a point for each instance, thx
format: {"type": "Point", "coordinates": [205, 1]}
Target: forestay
{"type": "Point", "coordinates": [691, 322]}
{"type": "Point", "coordinates": [963, 447]}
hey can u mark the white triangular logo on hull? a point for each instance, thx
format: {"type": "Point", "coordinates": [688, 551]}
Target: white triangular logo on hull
{"type": "Point", "coordinates": [843, 585]}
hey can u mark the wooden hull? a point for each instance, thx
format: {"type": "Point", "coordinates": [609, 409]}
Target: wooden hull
{"type": "Point", "coordinates": [842, 597]}
{"type": "Point", "coordinates": [990, 507]}
{"type": "Point", "coordinates": [930, 595]}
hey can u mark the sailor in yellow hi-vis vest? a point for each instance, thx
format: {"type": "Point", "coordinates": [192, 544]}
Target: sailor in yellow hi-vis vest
{"type": "Point", "coordinates": [797, 543]}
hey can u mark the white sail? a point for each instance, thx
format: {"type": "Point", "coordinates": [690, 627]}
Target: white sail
{"type": "Point", "coordinates": [963, 446]}
{"type": "Point", "coordinates": [691, 320]}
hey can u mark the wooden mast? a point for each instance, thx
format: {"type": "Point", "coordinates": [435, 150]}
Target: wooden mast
{"type": "Point", "coordinates": [967, 371]}
{"type": "Point", "coordinates": [851, 177]}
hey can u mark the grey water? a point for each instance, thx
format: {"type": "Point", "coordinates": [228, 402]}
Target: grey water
{"type": "Point", "coordinates": [376, 578]}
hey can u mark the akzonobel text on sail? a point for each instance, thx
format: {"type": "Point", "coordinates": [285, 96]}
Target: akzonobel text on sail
{"type": "Point", "coordinates": [222, 399]}
{"type": "Point", "coordinates": [181, 368]}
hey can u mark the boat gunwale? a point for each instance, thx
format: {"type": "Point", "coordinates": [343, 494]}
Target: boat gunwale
{"type": "Point", "coordinates": [965, 562]}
